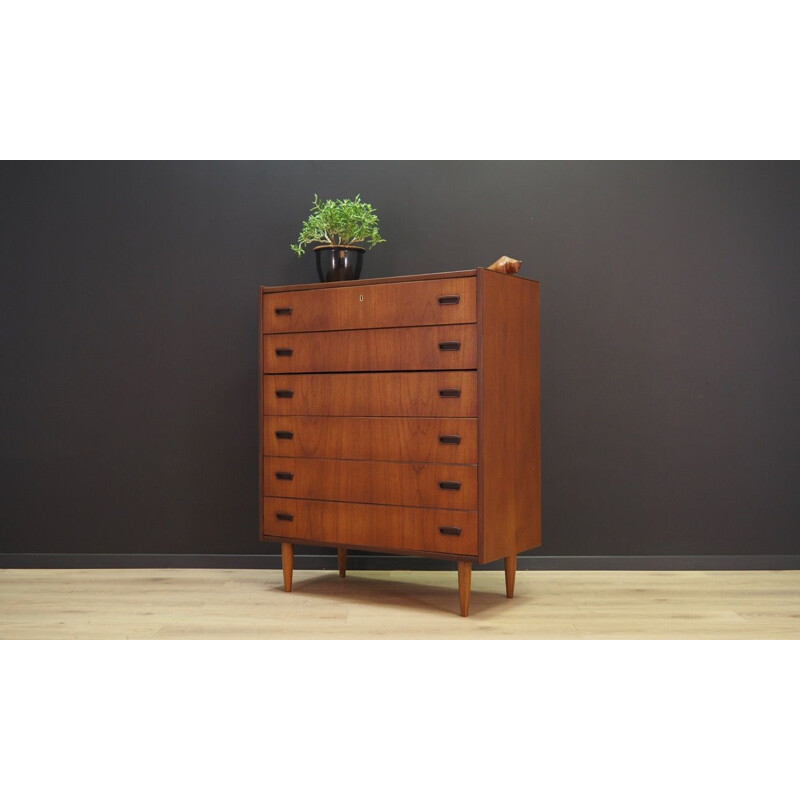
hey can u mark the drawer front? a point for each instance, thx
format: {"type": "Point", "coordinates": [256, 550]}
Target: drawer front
{"type": "Point", "coordinates": [434, 347]}
{"type": "Point", "coordinates": [438, 439]}
{"type": "Point", "coordinates": [384, 394]}
{"type": "Point", "coordinates": [395, 527]}
{"type": "Point", "coordinates": [382, 305]}
{"type": "Point", "coordinates": [389, 483]}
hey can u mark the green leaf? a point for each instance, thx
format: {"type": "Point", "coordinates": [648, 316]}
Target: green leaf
{"type": "Point", "coordinates": [342, 222]}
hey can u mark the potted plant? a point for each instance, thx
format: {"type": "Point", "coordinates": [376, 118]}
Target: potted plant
{"type": "Point", "coordinates": [339, 225]}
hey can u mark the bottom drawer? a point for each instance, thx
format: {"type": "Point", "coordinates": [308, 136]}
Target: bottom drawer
{"type": "Point", "coordinates": [394, 527]}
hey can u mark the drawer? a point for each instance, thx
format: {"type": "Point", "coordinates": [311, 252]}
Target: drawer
{"type": "Point", "coordinates": [353, 524]}
{"type": "Point", "coordinates": [382, 394]}
{"type": "Point", "coordinates": [386, 482]}
{"type": "Point", "coordinates": [442, 439]}
{"type": "Point", "coordinates": [383, 305]}
{"type": "Point", "coordinates": [434, 347]}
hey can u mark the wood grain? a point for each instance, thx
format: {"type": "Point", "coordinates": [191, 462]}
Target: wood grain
{"type": "Point", "coordinates": [509, 429]}
{"type": "Point", "coordinates": [287, 559]}
{"type": "Point", "coordinates": [511, 573]}
{"type": "Point", "coordinates": [464, 581]}
{"type": "Point", "coordinates": [216, 604]}
{"type": "Point", "coordinates": [260, 411]}
{"type": "Point", "coordinates": [384, 394]}
{"type": "Point", "coordinates": [383, 549]}
{"type": "Point", "coordinates": [427, 276]}
{"type": "Point", "coordinates": [370, 305]}
{"type": "Point", "coordinates": [373, 438]}
{"type": "Point", "coordinates": [386, 482]}
{"type": "Point", "coordinates": [359, 383]}
{"type": "Point", "coordinates": [354, 524]}
{"type": "Point", "coordinates": [384, 349]}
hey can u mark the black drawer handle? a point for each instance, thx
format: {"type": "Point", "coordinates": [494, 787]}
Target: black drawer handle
{"type": "Point", "coordinates": [284, 517]}
{"type": "Point", "coordinates": [450, 439]}
{"type": "Point", "coordinates": [449, 345]}
{"type": "Point", "coordinates": [283, 311]}
{"type": "Point", "coordinates": [283, 351]}
{"type": "Point", "coordinates": [447, 531]}
{"type": "Point", "coordinates": [449, 299]}
{"type": "Point", "coordinates": [284, 476]}
{"type": "Point", "coordinates": [284, 393]}
{"type": "Point", "coordinates": [449, 392]}
{"type": "Point", "coordinates": [453, 485]}
{"type": "Point", "coordinates": [284, 435]}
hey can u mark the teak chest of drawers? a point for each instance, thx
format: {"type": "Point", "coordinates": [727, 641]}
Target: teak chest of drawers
{"type": "Point", "coordinates": [402, 415]}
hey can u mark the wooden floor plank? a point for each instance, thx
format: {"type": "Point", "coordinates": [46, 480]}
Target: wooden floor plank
{"type": "Point", "coordinates": [251, 604]}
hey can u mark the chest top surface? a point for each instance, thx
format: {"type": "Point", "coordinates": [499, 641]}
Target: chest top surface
{"type": "Point", "coordinates": [430, 276]}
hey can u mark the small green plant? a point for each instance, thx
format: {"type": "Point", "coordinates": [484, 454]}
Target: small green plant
{"type": "Point", "coordinates": [339, 222]}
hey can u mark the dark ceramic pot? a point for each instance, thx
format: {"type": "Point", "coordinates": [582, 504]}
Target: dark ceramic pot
{"type": "Point", "coordinates": [338, 263]}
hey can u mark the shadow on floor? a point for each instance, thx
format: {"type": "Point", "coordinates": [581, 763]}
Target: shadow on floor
{"type": "Point", "coordinates": [397, 592]}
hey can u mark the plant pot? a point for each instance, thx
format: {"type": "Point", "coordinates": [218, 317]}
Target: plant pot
{"type": "Point", "coordinates": [338, 263]}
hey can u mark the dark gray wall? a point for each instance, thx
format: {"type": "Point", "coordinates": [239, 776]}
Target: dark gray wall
{"type": "Point", "coordinates": [670, 332]}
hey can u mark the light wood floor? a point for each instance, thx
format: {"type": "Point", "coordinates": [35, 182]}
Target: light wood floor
{"type": "Point", "coordinates": [251, 604]}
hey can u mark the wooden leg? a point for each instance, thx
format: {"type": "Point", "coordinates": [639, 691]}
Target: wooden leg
{"type": "Point", "coordinates": [287, 559]}
{"type": "Point", "coordinates": [464, 579]}
{"type": "Point", "coordinates": [342, 553]}
{"type": "Point", "coordinates": [511, 573]}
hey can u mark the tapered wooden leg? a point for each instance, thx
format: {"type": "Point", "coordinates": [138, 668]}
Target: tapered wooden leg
{"type": "Point", "coordinates": [464, 580]}
{"type": "Point", "coordinates": [511, 573]}
{"type": "Point", "coordinates": [342, 553]}
{"type": "Point", "coordinates": [287, 559]}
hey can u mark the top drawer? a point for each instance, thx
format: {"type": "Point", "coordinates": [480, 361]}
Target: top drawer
{"type": "Point", "coordinates": [377, 305]}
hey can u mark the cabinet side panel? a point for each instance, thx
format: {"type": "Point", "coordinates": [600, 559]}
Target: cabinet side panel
{"type": "Point", "coordinates": [260, 410]}
{"type": "Point", "coordinates": [509, 428]}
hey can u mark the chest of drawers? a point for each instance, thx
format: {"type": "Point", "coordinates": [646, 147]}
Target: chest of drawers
{"type": "Point", "coordinates": [401, 415]}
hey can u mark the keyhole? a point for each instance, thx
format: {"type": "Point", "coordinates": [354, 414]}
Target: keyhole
{"type": "Point", "coordinates": [361, 298]}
